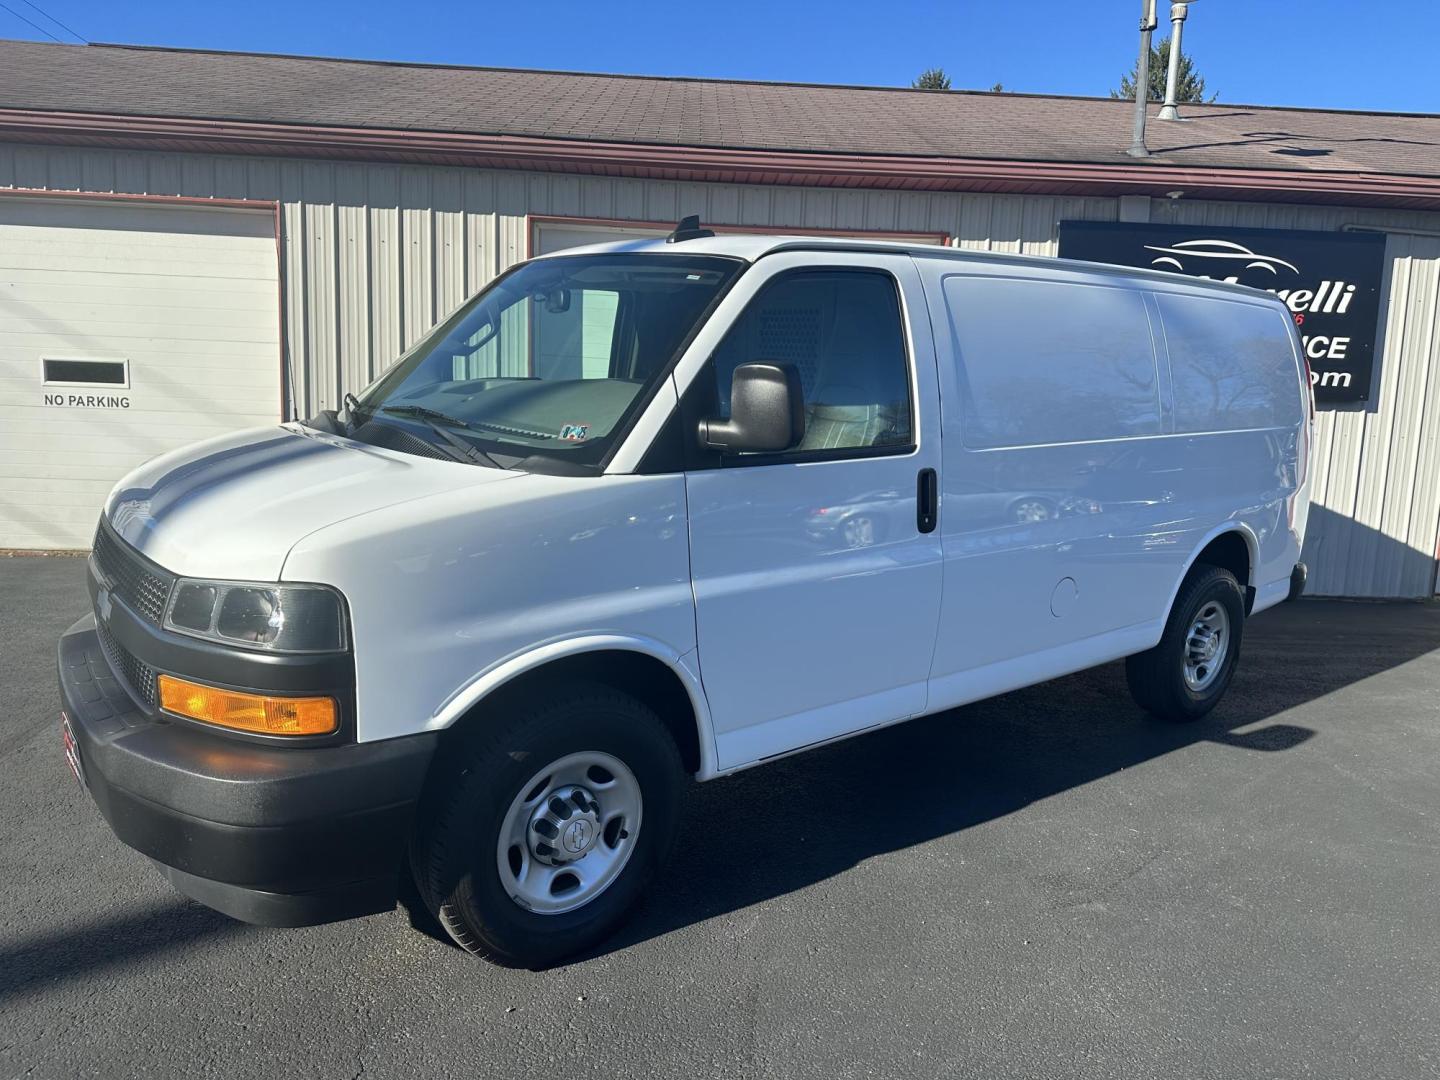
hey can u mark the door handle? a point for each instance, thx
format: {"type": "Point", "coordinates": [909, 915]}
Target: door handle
{"type": "Point", "coordinates": [927, 500]}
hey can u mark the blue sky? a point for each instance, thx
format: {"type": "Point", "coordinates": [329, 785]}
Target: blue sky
{"type": "Point", "coordinates": [1319, 53]}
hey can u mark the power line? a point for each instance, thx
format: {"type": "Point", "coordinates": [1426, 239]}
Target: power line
{"type": "Point", "coordinates": [57, 22]}
{"type": "Point", "coordinates": [27, 22]}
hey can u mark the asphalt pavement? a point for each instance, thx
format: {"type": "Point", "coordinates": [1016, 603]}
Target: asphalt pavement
{"type": "Point", "coordinates": [1042, 885]}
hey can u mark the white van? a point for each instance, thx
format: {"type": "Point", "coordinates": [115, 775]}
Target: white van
{"type": "Point", "coordinates": [658, 510]}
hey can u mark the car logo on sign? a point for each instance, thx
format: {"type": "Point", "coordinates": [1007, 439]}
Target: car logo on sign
{"type": "Point", "coordinates": [1224, 250]}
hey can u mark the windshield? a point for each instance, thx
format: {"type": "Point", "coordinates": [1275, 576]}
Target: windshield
{"type": "Point", "coordinates": [552, 361]}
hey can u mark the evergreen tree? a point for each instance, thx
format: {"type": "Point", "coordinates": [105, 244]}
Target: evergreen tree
{"type": "Point", "coordinates": [1189, 87]}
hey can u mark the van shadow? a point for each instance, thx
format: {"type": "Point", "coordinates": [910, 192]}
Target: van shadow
{"type": "Point", "coordinates": [108, 945]}
{"type": "Point", "coordinates": [773, 830]}
{"type": "Point", "coordinates": [1345, 555]}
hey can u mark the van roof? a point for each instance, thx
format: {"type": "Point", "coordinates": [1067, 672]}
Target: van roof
{"type": "Point", "coordinates": [751, 247]}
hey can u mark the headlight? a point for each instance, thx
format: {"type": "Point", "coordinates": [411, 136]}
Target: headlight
{"type": "Point", "coordinates": [277, 618]}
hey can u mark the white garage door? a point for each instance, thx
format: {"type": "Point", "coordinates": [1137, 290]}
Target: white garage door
{"type": "Point", "coordinates": [126, 329]}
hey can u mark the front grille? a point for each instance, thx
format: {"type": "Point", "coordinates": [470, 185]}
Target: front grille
{"type": "Point", "coordinates": [140, 584]}
{"type": "Point", "coordinates": [138, 675]}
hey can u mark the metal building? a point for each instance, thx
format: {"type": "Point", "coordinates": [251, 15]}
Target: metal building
{"type": "Point", "coordinates": [197, 241]}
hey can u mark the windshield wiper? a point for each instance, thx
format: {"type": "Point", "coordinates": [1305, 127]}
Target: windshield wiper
{"type": "Point", "coordinates": [353, 408]}
{"type": "Point", "coordinates": [422, 413]}
{"type": "Point", "coordinates": [435, 421]}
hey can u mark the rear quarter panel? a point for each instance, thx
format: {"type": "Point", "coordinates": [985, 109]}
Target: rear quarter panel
{"type": "Point", "coordinates": [1241, 419]}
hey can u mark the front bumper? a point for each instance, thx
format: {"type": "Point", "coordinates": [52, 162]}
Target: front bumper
{"type": "Point", "coordinates": [280, 836]}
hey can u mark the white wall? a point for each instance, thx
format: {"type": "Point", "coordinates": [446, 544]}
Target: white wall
{"type": "Point", "coordinates": [375, 254]}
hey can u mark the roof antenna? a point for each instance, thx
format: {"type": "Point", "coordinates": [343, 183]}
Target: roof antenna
{"type": "Point", "coordinates": [688, 229]}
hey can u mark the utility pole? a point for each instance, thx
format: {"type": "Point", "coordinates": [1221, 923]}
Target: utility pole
{"type": "Point", "coordinates": [1142, 79]}
{"type": "Point", "coordinates": [1178, 11]}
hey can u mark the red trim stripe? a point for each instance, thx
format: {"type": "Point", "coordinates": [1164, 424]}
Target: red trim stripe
{"type": "Point", "coordinates": [1152, 177]}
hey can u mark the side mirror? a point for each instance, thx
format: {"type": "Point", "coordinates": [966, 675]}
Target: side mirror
{"type": "Point", "coordinates": [767, 411]}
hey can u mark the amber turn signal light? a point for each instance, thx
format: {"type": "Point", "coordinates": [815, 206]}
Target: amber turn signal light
{"type": "Point", "coordinates": [256, 713]}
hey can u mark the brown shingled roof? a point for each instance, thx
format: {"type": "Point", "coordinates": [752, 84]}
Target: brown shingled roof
{"type": "Point", "coordinates": [773, 132]}
{"type": "Point", "coordinates": [695, 112]}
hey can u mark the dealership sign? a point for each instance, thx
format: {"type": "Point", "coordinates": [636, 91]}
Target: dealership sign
{"type": "Point", "coordinates": [1330, 281]}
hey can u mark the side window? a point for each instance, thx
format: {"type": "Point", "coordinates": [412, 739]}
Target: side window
{"type": "Point", "coordinates": [1231, 363]}
{"type": "Point", "coordinates": [574, 341]}
{"type": "Point", "coordinates": [570, 336]}
{"type": "Point", "coordinates": [842, 330]}
{"type": "Point", "coordinates": [1045, 362]}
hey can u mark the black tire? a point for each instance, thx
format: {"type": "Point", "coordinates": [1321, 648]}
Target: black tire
{"type": "Point", "coordinates": [454, 853]}
{"type": "Point", "coordinates": [1156, 677]}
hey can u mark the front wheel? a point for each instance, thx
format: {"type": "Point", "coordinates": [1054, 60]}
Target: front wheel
{"type": "Point", "coordinates": [549, 825]}
{"type": "Point", "coordinates": [1184, 677]}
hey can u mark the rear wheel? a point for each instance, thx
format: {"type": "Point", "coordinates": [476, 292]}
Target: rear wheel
{"type": "Point", "coordinates": [548, 826]}
{"type": "Point", "coordinates": [1185, 675]}
{"type": "Point", "coordinates": [1031, 511]}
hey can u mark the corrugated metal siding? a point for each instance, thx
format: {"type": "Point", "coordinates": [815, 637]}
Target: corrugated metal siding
{"type": "Point", "coordinates": [1382, 499]}
{"type": "Point", "coordinates": [373, 255]}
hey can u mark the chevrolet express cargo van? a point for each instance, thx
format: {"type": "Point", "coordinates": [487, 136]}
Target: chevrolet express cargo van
{"type": "Point", "coordinates": [658, 510]}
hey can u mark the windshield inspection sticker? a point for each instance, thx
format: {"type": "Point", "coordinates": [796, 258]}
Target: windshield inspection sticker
{"type": "Point", "coordinates": [574, 432]}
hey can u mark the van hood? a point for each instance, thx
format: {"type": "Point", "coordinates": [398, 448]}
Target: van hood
{"type": "Point", "coordinates": [234, 506]}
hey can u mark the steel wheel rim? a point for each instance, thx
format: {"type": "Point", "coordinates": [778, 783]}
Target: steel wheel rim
{"type": "Point", "coordinates": [569, 832]}
{"type": "Point", "coordinates": [1207, 645]}
{"type": "Point", "coordinates": [1031, 512]}
{"type": "Point", "coordinates": [860, 532]}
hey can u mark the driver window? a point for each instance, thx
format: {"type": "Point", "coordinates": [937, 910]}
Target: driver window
{"type": "Point", "coordinates": [842, 330]}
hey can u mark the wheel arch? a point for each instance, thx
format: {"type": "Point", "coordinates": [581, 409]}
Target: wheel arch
{"type": "Point", "coordinates": [1232, 546]}
{"type": "Point", "coordinates": [645, 668]}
